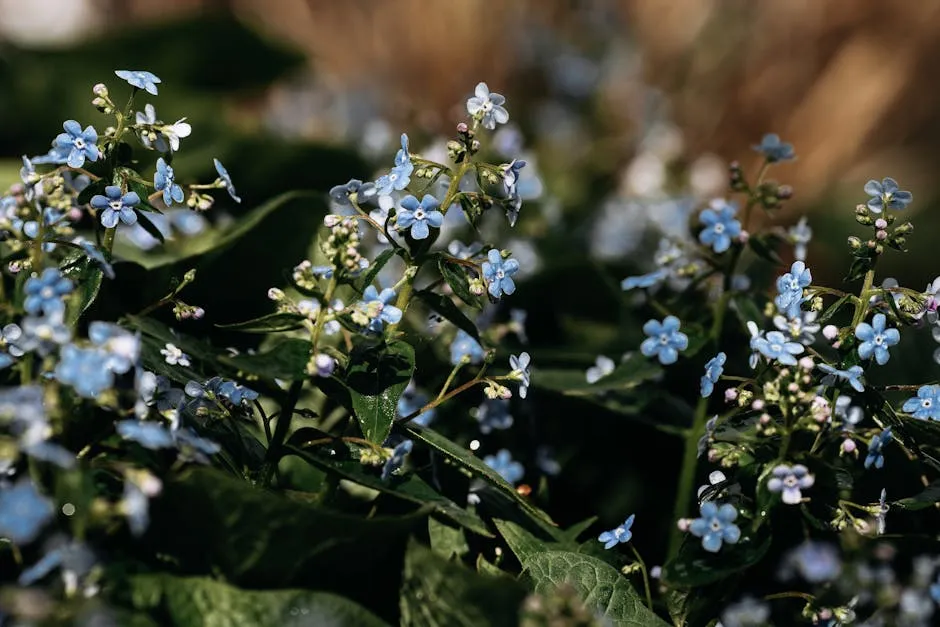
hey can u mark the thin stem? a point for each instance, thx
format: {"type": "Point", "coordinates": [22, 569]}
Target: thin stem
{"type": "Point", "coordinates": [861, 306]}
{"type": "Point", "coordinates": [646, 579]}
{"type": "Point", "coordinates": [280, 432]}
{"type": "Point", "coordinates": [437, 401]}
{"type": "Point", "coordinates": [108, 242]}
{"type": "Point", "coordinates": [450, 378]}
{"type": "Point", "coordinates": [687, 474]}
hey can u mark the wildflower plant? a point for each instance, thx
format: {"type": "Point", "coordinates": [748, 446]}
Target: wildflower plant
{"type": "Point", "coordinates": [371, 427]}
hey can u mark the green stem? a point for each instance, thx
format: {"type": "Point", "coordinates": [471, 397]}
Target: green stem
{"type": "Point", "coordinates": [108, 242]}
{"type": "Point", "coordinates": [646, 578]}
{"type": "Point", "coordinates": [440, 399]}
{"type": "Point", "coordinates": [687, 477]}
{"type": "Point", "coordinates": [861, 306]}
{"type": "Point", "coordinates": [281, 430]}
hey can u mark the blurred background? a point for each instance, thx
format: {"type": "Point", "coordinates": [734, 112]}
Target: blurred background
{"type": "Point", "coordinates": [628, 112]}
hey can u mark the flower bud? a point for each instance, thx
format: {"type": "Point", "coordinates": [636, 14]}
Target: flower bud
{"type": "Point", "coordinates": [855, 243]}
{"type": "Point", "coordinates": [731, 394]}
{"type": "Point", "coordinates": [863, 216]}
{"type": "Point", "coordinates": [881, 223]}
{"type": "Point", "coordinates": [462, 127]}
{"type": "Point", "coordinates": [904, 229]}
{"type": "Point", "coordinates": [848, 446]}
{"type": "Point", "coordinates": [324, 365]}
{"type": "Point", "coordinates": [275, 294]}
{"type": "Point", "coordinates": [100, 90]}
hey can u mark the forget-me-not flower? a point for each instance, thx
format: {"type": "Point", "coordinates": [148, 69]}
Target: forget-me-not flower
{"type": "Point", "coordinates": [493, 414]}
{"type": "Point", "coordinates": [23, 512]}
{"type": "Point", "coordinates": [800, 235]}
{"type": "Point", "coordinates": [397, 459]}
{"type": "Point", "coordinates": [226, 179]}
{"type": "Point", "coordinates": [141, 79]}
{"type": "Point", "coordinates": [114, 206]}
{"type": "Point", "coordinates": [419, 216]}
{"type": "Point", "coordinates": [816, 562]}
{"type": "Point", "coordinates": [716, 526]}
{"type": "Point", "coordinates": [378, 308]}
{"type": "Point", "coordinates": [152, 435]}
{"type": "Point", "coordinates": [44, 333]}
{"type": "Point", "coordinates": [602, 367]}
{"type": "Point", "coordinates": [789, 480]}
{"type": "Point", "coordinates": [620, 534]}
{"type": "Point", "coordinates": [464, 345]}
{"type": "Point", "coordinates": [852, 376]}
{"type": "Point", "coordinates": [487, 107]}
{"type": "Point", "coordinates": [45, 292]}
{"type": "Point", "coordinates": [775, 345]}
{"type": "Point", "coordinates": [75, 145]}
{"type": "Point", "coordinates": [790, 289]}
{"type": "Point", "coordinates": [121, 346]}
{"type": "Point", "coordinates": [520, 371]}
{"type": "Point", "coordinates": [801, 328]}
{"type": "Point", "coordinates": [511, 185]}
{"type": "Point", "coordinates": [876, 447]}
{"type": "Point", "coordinates": [876, 339]}
{"type": "Point", "coordinates": [665, 340]}
{"type": "Point", "coordinates": [713, 370]}
{"type": "Point", "coordinates": [773, 149]}
{"type": "Point", "coordinates": [174, 356]}
{"type": "Point", "coordinates": [926, 405]}
{"type": "Point", "coordinates": [504, 465]}
{"type": "Point", "coordinates": [399, 176]}
{"type": "Point", "coordinates": [720, 225]}
{"type": "Point", "coordinates": [164, 180]}
{"type": "Point", "coordinates": [645, 280]}
{"type": "Point", "coordinates": [886, 194]}
{"type": "Point", "coordinates": [85, 369]}
{"type": "Point", "coordinates": [498, 273]}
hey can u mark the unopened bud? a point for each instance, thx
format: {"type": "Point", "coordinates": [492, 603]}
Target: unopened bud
{"type": "Point", "coordinates": [904, 229]}
{"type": "Point", "coordinates": [881, 223]}
{"type": "Point", "coordinates": [855, 243]}
{"type": "Point", "coordinates": [275, 294]}
{"type": "Point", "coordinates": [100, 90]}
{"type": "Point", "coordinates": [881, 235]}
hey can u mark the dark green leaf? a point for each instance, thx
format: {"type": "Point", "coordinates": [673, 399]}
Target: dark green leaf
{"type": "Point", "coordinates": [149, 226]}
{"type": "Point", "coordinates": [694, 566]}
{"type": "Point", "coordinates": [746, 309]}
{"type": "Point", "coordinates": [286, 360]}
{"type": "Point", "coordinates": [144, 194]}
{"type": "Point", "coordinates": [599, 585]}
{"type": "Point", "coordinates": [437, 592]}
{"type": "Point", "coordinates": [633, 371]}
{"type": "Point", "coordinates": [477, 468]}
{"type": "Point", "coordinates": [92, 189]}
{"type": "Point", "coordinates": [271, 323]}
{"type": "Point", "coordinates": [376, 266]}
{"type": "Point", "coordinates": [456, 277]}
{"type": "Point", "coordinates": [159, 331]}
{"type": "Point", "coordinates": [447, 541]}
{"type": "Point", "coordinates": [928, 497]}
{"type": "Point", "coordinates": [204, 602]}
{"type": "Point", "coordinates": [834, 308]}
{"type": "Point", "coordinates": [89, 284]}
{"type": "Point", "coordinates": [409, 487]}
{"type": "Point", "coordinates": [446, 307]}
{"type": "Point", "coordinates": [765, 247]}
{"type": "Point", "coordinates": [376, 378]}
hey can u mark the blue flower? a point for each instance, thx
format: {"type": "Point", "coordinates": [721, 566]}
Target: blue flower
{"type": "Point", "coordinates": [602, 367]}
{"type": "Point", "coordinates": [790, 289]}
{"type": "Point", "coordinates": [23, 512]}
{"type": "Point", "coordinates": [95, 255]}
{"type": "Point", "coordinates": [645, 280]}
{"type": "Point", "coordinates": [152, 435]}
{"type": "Point", "coordinates": [774, 345]}
{"type": "Point", "coordinates": [75, 145]}
{"type": "Point", "coordinates": [493, 414]}
{"type": "Point", "coordinates": [122, 346]}
{"type": "Point", "coordinates": [340, 193]}
{"type": "Point", "coordinates": [113, 205]}
{"type": "Point", "coordinates": [165, 180]}
{"type": "Point", "coordinates": [498, 273]}
{"type": "Point", "coordinates": [136, 504]}
{"type": "Point", "coordinates": [231, 391]}
{"type": "Point", "coordinates": [853, 376]}
{"type": "Point", "coordinates": [520, 371]}
{"type": "Point", "coordinates": [800, 235]}
{"type": "Point", "coordinates": [45, 333]}
{"type": "Point", "coordinates": [886, 194]}
{"type": "Point", "coordinates": [789, 480]}
{"type": "Point", "coordinates": [71, 557]}
{"type": "Point", "coordinates": [664, 341]}
{"type": "Point", "coordinates": [226, 180]}
{"type": "Point", "coordinates": [774, 150]}
{"type": "Point", "coordinates": [720, 225]}
{"type": "Point", "coordinates": [85, 369]}
{"type": "Point", "coordinates": [378, 308]}
{"type": "Point", "coordinates": [141, 79]}
{"type": "Point", "coordinates": [419, 216]}
{"type": "Point", "coordinates": [716, 526]}
{"type": "Point", "coordinates": [464, 345]}
{"type": "Point", "coordinates": [875, 455]}
{"type": "Point", "coordinates": [44, 293]}
{"type": "Point", "coordinates": [411, 400]}
{"type": "Point", "coordinates": [926, 405]}
{"type": "Point", "coordinates": [399, 176]}
{"type": "Point", "coordinates": [816, 562]}
{"type": "Point", "coordinates": [618, 535]}
{"type": "Point", "coordinates": [503, 464]}
{"type": "Point", "coordinates": [876, 339]}
{"type": "Point", "coordinates": [397, 459]}
{"type": "Point", "coordinates": [935, 591]}
{"type": "Point", "coordinates": [487, 107]}
{"type": "Point", "coordinates": [801, 328]}
{"type": "Point", "coordinates": [713, 370]}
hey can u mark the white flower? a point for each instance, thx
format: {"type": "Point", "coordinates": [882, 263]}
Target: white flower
{"type": "Point", "coordinates": [487, 107]}
{"type": "Point", "coordinates": [603, 367]}
{"type": "Point", "coordinates": [174, 356]}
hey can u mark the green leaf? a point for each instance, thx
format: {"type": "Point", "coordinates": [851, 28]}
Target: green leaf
{"type": "Point", "coordinates": [375, 267]}
{"type": "Point", "coordinates": [446, 307]}
{"type": "Point", "coordinates": [203, 602]}
{"type": "Point", "coordinates": [633, 371]}
{"type": "Point", "coordinates": [746, 309]}
{"type": "Point", "coordinates": [164, 334]}
{"type": "Point", "coordinates": [835, 307]}
{"type": "Point", "coordinates": [477, 468]}
{"type": "Point", "coordinates": [270, 323]}
{"type": "Point", "coordinates": [285, 360]}
{"type": "Point", "coordinates": [210, 522]}
{"type": "Point", "coordinates": [409, 487]}
{"type": "Point", "coordinates": [149, 226]}
{"type": "Point", "coordinates": [376, 378]}
{"type": "Point", "coordinates": [599, 585]}
{"type": "Point", "coordinates": [447, 541]}
{"type": "Point", "coordinates": [765, 247]}
{"type": "Point", "coordinates": [694, 566]}
{"type": "Point", "coordinates": [436, 592]}
{"type": "Point", "coordinates": [89, 284]}
{"type": "Point", "coordinates": [456, 277]}
{"type": "Point", "coordinates": [928, 497]}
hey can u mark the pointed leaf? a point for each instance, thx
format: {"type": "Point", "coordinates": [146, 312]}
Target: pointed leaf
{"type": "Point", "coordinates": [286, 360]}
{"type": "Point", "coordinates": [376, 378]}
{"type": "Point", "coordinates": [271, 323]}
{"type": "Point", "coordinates": [456, 276]}
{"type": "Point", "coordinates": [446, 307]}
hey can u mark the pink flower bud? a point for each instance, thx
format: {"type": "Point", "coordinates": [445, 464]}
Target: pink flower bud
{"type": "Point", "coordinates": [830, 332]}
